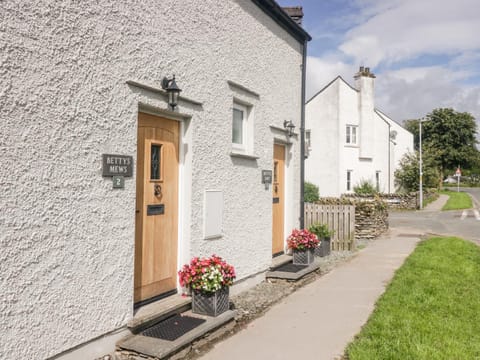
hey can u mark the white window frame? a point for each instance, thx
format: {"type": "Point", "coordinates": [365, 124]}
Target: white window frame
{"type": "Point", "coordinates": [349, 180]}
{"type": "Point", "coordinates": [351, 137]}
{"type": "Point", "coordinates": [308, 142]}
{"type": "Point", "coordinates": [377, 180]}
{"type": "Point", "coordinates": [246, 146]}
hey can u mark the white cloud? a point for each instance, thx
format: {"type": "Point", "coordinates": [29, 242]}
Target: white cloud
{"type": "Point", "coordinates": [411, 93]}
{"type": "Point", "coordinates": [413, 27]}
{"type": "Point", "coordinates": [321, 71]}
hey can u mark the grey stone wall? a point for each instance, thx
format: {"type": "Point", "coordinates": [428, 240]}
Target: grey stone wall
{"type": "Point", "coordinates": [371, 215]}
{"type": "Point", "coordinates": [408, 201]}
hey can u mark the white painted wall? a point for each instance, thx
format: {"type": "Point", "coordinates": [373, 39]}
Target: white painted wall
{"type": "Point", "coordinates": [401, 144]}
{"type": "Point", "coordinates": [67, 237]}
{"type": "Point", "coordinates": [339, 105]}
{"type": "Point", "coordinates": [321, 117]}
{"type": "Point", "coordinates": [365, 87]}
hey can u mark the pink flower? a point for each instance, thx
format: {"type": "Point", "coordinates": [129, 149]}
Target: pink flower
{"type": "Point", "coordinates": [302, 240]}
{"type": "Point", "coordinates": [218, 272]}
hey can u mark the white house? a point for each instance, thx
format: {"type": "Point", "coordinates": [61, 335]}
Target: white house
{"type": "Point", "coordinates": [349, 140]}
{"type": "Point", "coordinates": [107, 190]}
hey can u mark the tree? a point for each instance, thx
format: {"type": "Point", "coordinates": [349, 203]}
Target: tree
{"type": "Point", "coordinates": [407, 176]}
{"type": "Point", "coordinates": [450, 138]}
{"type": "Point", "coordinates": [310, 192]}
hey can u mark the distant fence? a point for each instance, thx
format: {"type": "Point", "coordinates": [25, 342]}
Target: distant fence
{"type": "Point", "coordinates": [339, 218]}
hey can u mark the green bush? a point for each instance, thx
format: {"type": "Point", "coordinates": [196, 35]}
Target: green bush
{"type": "Point", "coordinates": [407, 174]}
{"type": "Point", "coordinates": [365, 187]}
{"type": "Point", "coordinates": [321, 230]}
{"type": "Point", "coordinates": [310, 192]}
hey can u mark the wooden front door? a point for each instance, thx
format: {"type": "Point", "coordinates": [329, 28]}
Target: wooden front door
{"type": "Point", "coordinates": [156, 221]}
{"type": "Point", "coordinates": [278, 199]}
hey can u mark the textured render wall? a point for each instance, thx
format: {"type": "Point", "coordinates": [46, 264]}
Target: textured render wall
{"type": "Point", "coordinates": [321, 117]}
{"type": "Point", "coordinates": [266, 60]}
{"type": "Point", "coordinates": [67, 237]}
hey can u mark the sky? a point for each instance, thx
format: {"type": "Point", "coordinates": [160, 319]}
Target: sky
{"type": "Point", "coordinates": [425, 53]}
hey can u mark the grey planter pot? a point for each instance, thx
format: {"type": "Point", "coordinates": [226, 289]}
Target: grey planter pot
{"type": "Point", "coordinates": [324, 248]}
{"type": "Point", "coordinates": [303, 257]}
{"type": "Point", "coordinates": [210, 304]}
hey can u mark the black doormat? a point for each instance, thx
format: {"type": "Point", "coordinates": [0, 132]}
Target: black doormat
{"type": "Point", "coordinates": [290, 267]}
{"type": "Point", "coordinates": [173, 327]}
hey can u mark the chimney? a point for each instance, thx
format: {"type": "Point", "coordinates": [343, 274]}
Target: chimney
{"type": "Point", "coordinates": [296, 13]}
{"type": "Point", "coordinates": [364, 82]}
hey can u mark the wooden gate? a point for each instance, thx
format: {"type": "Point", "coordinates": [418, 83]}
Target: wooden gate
{"type": "Point", "coordinates": [339, 218]}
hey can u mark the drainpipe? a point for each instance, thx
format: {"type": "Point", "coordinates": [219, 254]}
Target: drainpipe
{"type": "Point", "coordinates": [302, 136]}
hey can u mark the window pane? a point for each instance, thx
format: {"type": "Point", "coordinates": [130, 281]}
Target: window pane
{"type": "Point", "coordinates": [354, 134]}
{"type": "Point", "coordinates": [348, 135]}
{"type": "Point", "coordinates": [237, 127]}
{"type": "Point", "coordinates": [155, 159]}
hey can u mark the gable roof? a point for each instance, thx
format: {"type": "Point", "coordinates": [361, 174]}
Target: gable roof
{"type": "Point", "coordinates": [272, 9]}
{"type": "Point", "coordinates": [383, 115]}
{"type": "Point", "coordinates": [380, 113]}
{"type": "Point", "coordinates": [330, 83]}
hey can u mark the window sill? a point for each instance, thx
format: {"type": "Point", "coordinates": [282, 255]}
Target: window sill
{"type": "Point", "coordinates": [244, 156]}
{"type": "Point", "coordinates": [352, 146]}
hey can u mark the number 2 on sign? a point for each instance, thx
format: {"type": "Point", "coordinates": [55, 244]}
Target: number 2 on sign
{"type": "Point", "coordinates": [118, 182]}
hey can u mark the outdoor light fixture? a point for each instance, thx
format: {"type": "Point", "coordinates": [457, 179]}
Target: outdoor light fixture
{"type": "Point", "coordinates": [170, 86]}
{"type": "Point", "coordinates": [289, 126]}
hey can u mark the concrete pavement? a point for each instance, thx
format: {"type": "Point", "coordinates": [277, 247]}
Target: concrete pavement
{"type": "Point", "coordinates": [437, 205]}
{"type": "Point", "coordinates": [319, 320]}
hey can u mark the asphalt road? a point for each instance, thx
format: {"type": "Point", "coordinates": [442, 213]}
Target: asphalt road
{"type": "Point", "coordinates": [462, 223]}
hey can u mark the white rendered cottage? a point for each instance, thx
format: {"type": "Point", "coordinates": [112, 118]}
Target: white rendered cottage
{"type": "Point", "coordinates": [107, 190]}
{"type": "Point", "coordinates": [349, 140]}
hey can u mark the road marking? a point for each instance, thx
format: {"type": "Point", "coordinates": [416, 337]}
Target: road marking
{"type": "Point", "coordinates": [477, 214]}
{"type": "Point", "coordinates": [464, 215]}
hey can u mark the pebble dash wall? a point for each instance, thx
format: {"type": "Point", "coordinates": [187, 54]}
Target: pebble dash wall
{"type": "Point", "coordinates": [67, 238]}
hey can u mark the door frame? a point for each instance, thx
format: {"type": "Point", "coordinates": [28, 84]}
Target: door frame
{"type": "Point", "coordinates": [290, 213]}
{"type": "Point", "coordinates": [184, 198]}
{"type": "Point", "coordinates": [285, 191]}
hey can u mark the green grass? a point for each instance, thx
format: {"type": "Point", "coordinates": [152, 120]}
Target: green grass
{"type": "Point", "coordinates": [457, 200]}
{"type": "Point", "coordinates": [430, 310]}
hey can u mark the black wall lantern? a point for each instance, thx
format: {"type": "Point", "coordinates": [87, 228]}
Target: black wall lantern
{"type": "Point", "coordinates": [170, 86]}
{"type": "Point", "coordinates": [289, 126]}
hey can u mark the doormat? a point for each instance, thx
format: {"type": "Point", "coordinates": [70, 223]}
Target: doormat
{"type": "Point", "coordinates": [173, 327]}
{"type": "Point", "coordinates": [290, 267]}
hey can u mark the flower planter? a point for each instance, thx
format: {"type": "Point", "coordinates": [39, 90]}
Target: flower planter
{"type": "Point", "coordinates": [211, 304]}
{"type": "Point", "coordinates": [324, 248]}
{"type": "Point", "coordinates": [303, 257]}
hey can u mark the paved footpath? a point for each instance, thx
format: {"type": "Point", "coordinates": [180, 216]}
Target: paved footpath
{"type": "Point", "coordinates": [319, 320]}
{"type": "Point", "coordinates": [438, 204]}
